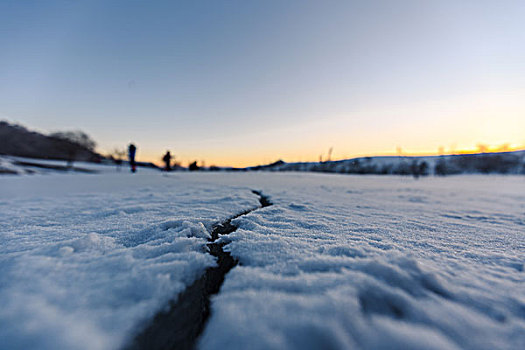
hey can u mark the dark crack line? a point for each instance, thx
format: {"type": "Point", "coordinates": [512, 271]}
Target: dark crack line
{"type": "Point", "coordinates": [181, 325]}
{"type": "Point", "coordinates": [264, 200]}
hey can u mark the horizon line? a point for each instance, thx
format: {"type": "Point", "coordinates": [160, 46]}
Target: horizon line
{"type": "Point", "coordinates": [402, 154]}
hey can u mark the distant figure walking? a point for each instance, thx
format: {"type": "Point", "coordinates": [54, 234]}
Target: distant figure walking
{"type": "Point", "coordinates": [131, 153]}
{"type": "Point", "coordinates": [167, 161]}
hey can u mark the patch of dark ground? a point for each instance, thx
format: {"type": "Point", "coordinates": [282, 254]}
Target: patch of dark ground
{"type": "Point", "coordinates": [8, 172]}
{"type": "Point", "coordinates": [180, 326]}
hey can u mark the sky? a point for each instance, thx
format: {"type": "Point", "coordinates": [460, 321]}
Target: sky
{"type": "Point", "coordinates": [249, 82]}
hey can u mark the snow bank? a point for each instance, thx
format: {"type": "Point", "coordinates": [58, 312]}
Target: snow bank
{"type": "Point", "coordinates": [344, 262]}
{"type": "Point", "coordinates": [84, 259]}
{"type": "Point", "coordinates": [12, 165]}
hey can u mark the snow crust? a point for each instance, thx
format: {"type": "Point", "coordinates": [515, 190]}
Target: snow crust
{"type": "Point", "coordinates": [86, 259]}
{"type": "Point", "coordinates": [343, 262]}
{"type": "Point", "coordinates": [337, 262]}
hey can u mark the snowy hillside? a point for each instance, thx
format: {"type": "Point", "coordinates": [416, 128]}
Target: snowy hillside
{"type": "Point", "coordinates": [16, 140]}
{"type": "Point", "coordinates": [336, 262]}
{"type": "Point", "coordinates": [482, 163]}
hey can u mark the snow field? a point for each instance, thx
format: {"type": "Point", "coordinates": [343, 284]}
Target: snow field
{"type": "Point", "coordinates": [343, 262]}
{"type": "Point", "coordinates": [338, 262]}
{"type": "Point", "coordinates": [86, 259]}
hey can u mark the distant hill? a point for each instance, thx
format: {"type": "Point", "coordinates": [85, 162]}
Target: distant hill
{"type": "Point", "coordinates": [481, 163]}
{"type": "Point", "coordinates": [16, 140]}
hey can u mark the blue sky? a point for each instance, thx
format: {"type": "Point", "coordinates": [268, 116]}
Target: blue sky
{"type": "Point", "coordinates": [244, 82]}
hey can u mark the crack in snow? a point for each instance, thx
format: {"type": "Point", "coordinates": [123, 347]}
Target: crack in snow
{"type": "Point", "coordinates": [181, 324]}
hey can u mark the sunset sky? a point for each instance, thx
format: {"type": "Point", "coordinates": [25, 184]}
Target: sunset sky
{"type": "Point", "coordinates": [249, 82]}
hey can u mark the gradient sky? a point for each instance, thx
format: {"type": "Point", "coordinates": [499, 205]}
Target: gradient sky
{"type": "Point", "coordinates": [247, 82]}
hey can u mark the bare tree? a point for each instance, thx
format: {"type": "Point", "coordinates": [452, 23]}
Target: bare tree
{"type": "Point", "coordinates": [483, 148]}
{"type": "Point", "coordinates": [72, 142]}
{"type": "Point", "coordinates": [330, 153]}
{"type": "Point", "coordinates": [118, 155]}
{"type": "Point", "coordinates": [78, 137]}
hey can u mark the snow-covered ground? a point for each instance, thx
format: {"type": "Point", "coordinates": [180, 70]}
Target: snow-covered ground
{"type": "Point", "coordinates": [336, 262]}
{"type": "Point", "coordinates": [372, 262]}
{"type": "Point", "coordinates": [84, 259]}
{"type": "Point", "coordinates": [12, 165]}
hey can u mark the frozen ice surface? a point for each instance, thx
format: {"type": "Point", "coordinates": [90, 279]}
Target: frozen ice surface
{"type": "Point", "coordinates": [341, 262]}
{"type": "Point", "coordinates": [338, 262]}
{"type": "Point", "coordinates": [84, 259]}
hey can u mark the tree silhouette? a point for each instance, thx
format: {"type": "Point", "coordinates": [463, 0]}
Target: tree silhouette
{"type": "Point", "coordinates": [78, 137]}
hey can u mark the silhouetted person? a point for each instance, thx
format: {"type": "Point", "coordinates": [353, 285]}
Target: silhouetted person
{"type": "Point", "coordinates": [131, 153]}
{"type": "Point", "coordinates": [167, 161]}
{"type": "Point", "coordinates": [193, 166]}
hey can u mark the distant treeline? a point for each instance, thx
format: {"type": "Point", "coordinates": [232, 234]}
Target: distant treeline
{"type": "Point", "coordinates": [483, 163]}
{"type": "Point", "coordinates": [368, 166]}
{"type": "Point", "coordinates": [16, 140]}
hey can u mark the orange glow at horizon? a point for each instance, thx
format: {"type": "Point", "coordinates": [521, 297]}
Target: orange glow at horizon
{"type": "Point", "coordinates": [261, 159]}
{"type": "Point", "coordinates": [474, 123]}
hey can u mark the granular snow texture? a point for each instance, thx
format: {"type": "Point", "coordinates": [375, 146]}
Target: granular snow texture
{"type": "Point", "coordinates": [342, 262]}
{"type": "Point", "coordinates": [85, 259]}
{"type": "Point", "coordinates": [337, 262]}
